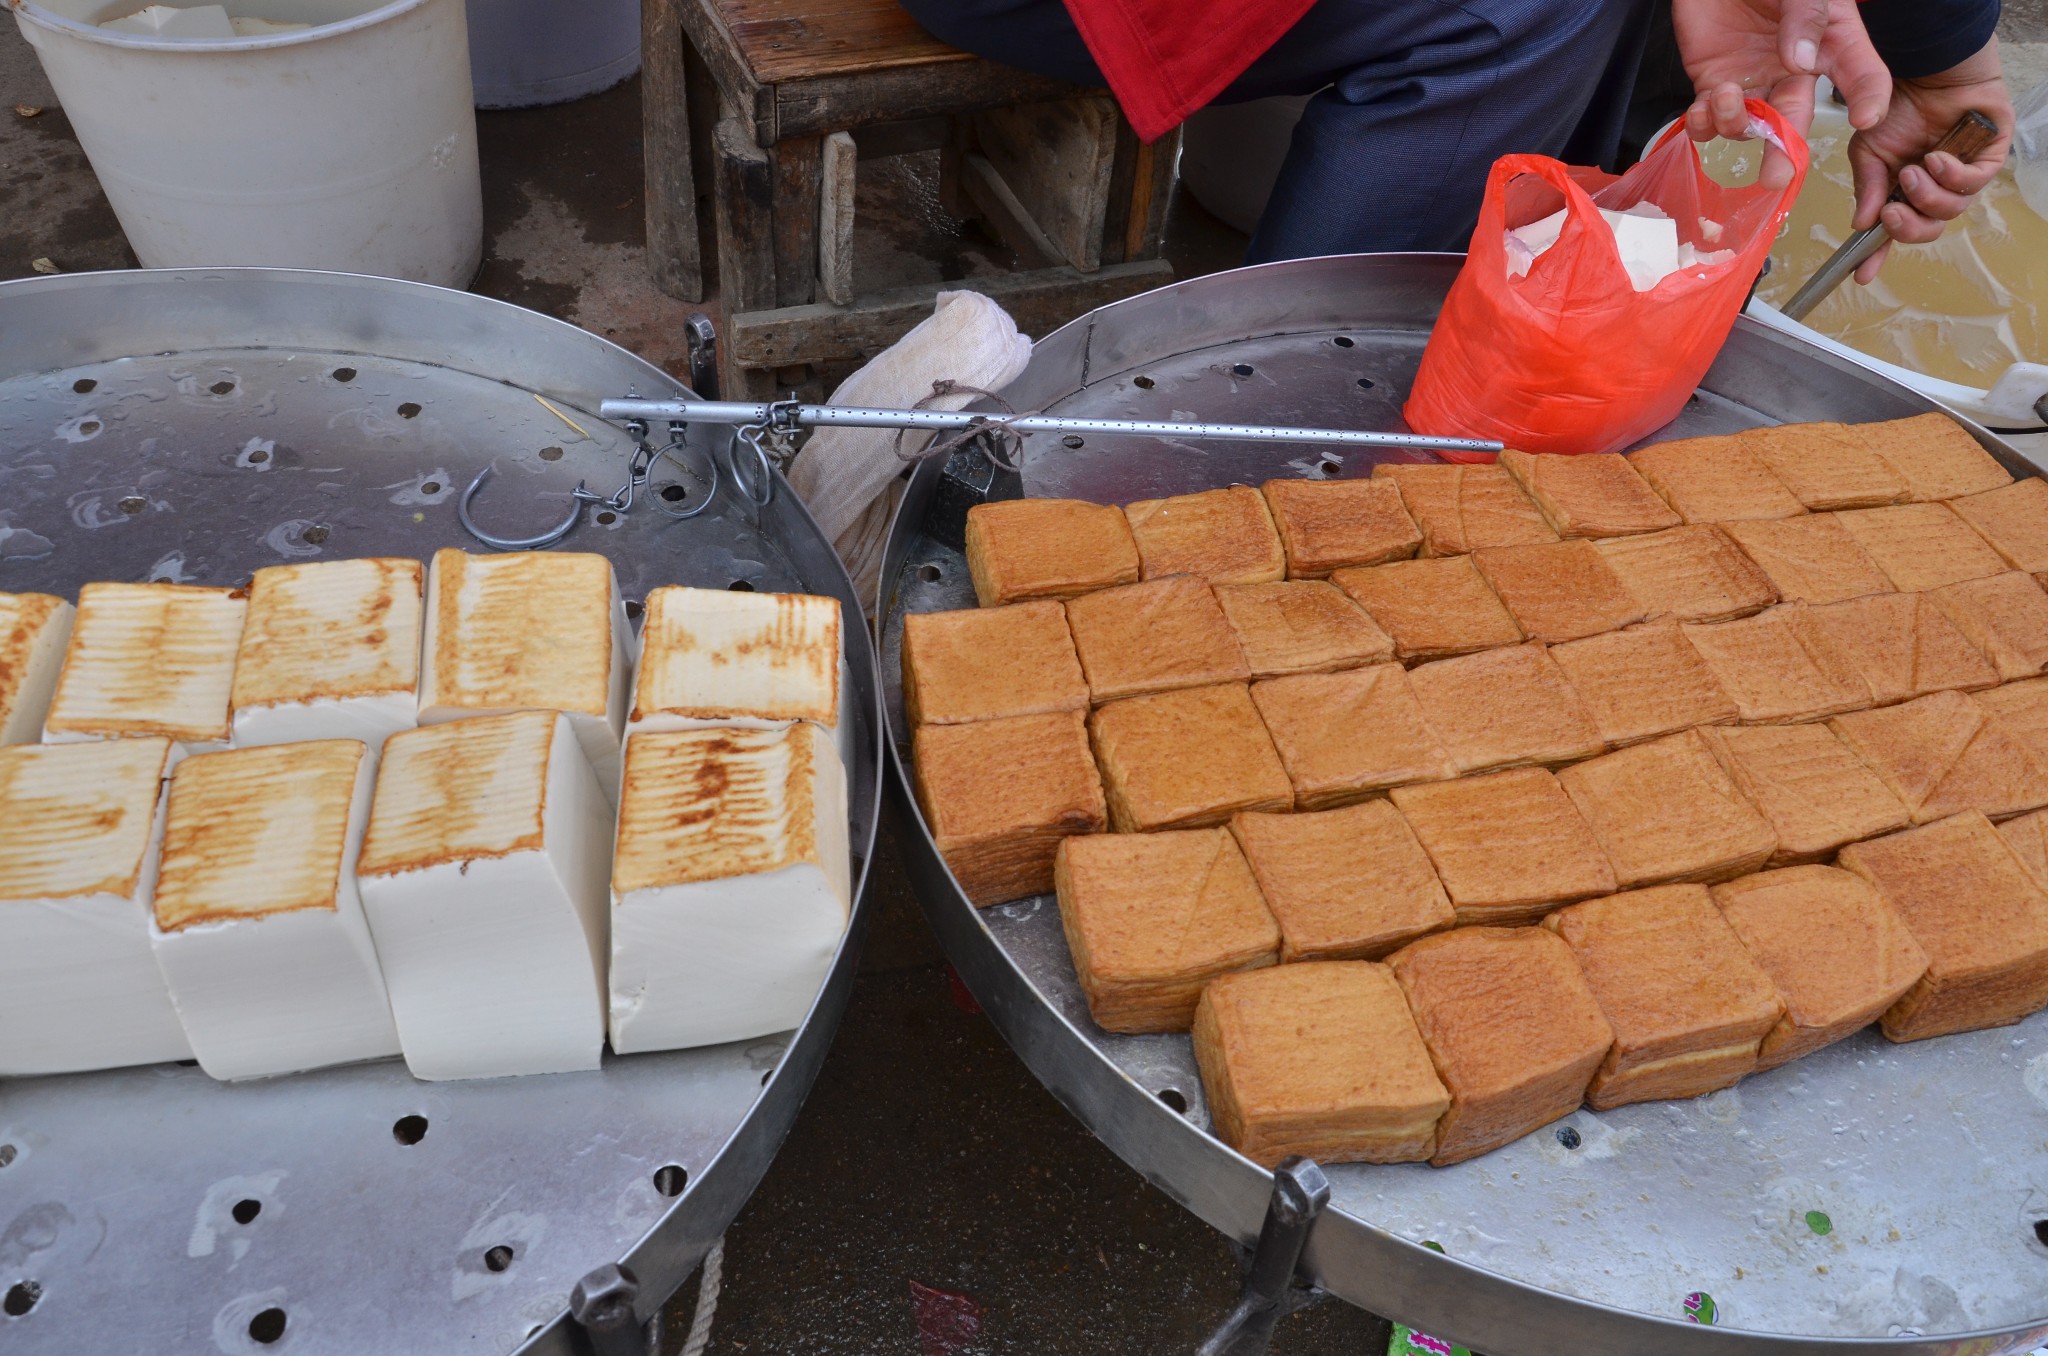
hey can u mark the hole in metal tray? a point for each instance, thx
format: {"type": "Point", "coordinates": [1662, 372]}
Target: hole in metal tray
{"type": "Point", "coordinates": [670, 1179]}
{"type": "Point", "coordinates": [21, 1297]}
{"type": "Point", "coordinates": [409, 1129]}
{"type": "Point", "coordinates": [931, 574]}
{"type": "Point", "coordinates": [498, 1258]}
{"type": "Point", "coordinates": [409, 410]}
{"type": "Point", "coordinates": [7, 1153]}
{"type": "Point", "coordinates": [1174, 1100]}
{"type": "Point", "coordinates": [84, 385]}
{"type": "Point", "coordinates": [267, 1326]}
{"type": "Point", "coordinates": [739, 586]}
{"type": "Point", "coordinates": [344, 375]}
{"type": "Point", "coordinates": [1143, 383]}
{"type": "Point", "coordinates": [246, 1211]}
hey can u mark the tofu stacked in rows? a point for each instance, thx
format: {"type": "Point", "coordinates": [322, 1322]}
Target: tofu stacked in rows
{"type": "Point", "coordinates": [365, 808]}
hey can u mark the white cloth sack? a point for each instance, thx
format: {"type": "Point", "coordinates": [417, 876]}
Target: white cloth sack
{"type": "Point", "coordinates": [851, 478]}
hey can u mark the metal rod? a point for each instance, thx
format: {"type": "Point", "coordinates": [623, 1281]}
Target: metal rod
{"type": "Point", "coordinates": [837, 416]}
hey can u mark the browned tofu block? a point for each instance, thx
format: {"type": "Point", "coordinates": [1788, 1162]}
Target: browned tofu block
{"type": "Point", "coordinates": [1942, 754]}
{"type": "Point", "coordinates": [989, 662]}
{"type": "Point", "coordinates": [1225, 536]}
{"type": "Point", "coordinates": [1811, 559]}
{"type": "Point", "coordinates": [1976, 911]}
{"type": "Point", "coordinates": [1934, 455]}
{"type": "Point", "coordinates": [1327, 525]}
{"type": "Point", "coordinates": [1921, 546]}
{"type": "Point", "coordinates": [1432, 608]}
{"type": "Point", "coordinates": [1154, 637]}
{"type": "Point", "coordinates": [1187, 759]}
{"type": "Point", "coordinates": [1047, 548]}
{"type": "Point", "coordinates": [1903, 645]}
{"type": "Point", "coordinates": [1715, 480]}
{"type": "Point", "coordinates": [2021, 711]}
{"type": "Point", "coordinates": [1643, 682]}
{"type": "Point", "coordinates": [999, 795]}
{"type": "Point", "coordinates": [1343, 736]}
{"type": "Point", "coordinates": [1688, 574]}
{"type": "Point", "coordinates": [1778, 667]}
{"type": "Point", "coordinates": [1322, 1060]}
{"type": "Point", "coordinates": [1560, 590]}
{"type": "Point", "coordinates": [1825, 465]}
{"type": "Point", "coordinates": [1510, 707]}
{"type": "Point", "coordinates": [1596, 495]}
{"type": "Point", "coordinates": [1150, 918]}
{"type": "Point", "coordinates": [1512, 1027]}
{"type": "Point", "coordinates": [1509, 847]}
{"type": "Point", "coordinates": [1813, 791]}
{"type": "Point", "coordinates": [2003, 615]}
{"type": "Point", "coordinates": [1463, 508]}
{"type": "Point", "coordinates": [2013, 519]}
{"type": "Point", "coordinates": [1835, 951]}
{"type": "Point", "coordinates": [1301, 626]}
{"type": "Point", "coordinates": [2027, 836]}
{"type": "Point", "coordinates": [1687, 1005]}
{"type": "Point", "coordinates": [1347, 884]}
{"type": "Point", "coordinates": [1666, 811]}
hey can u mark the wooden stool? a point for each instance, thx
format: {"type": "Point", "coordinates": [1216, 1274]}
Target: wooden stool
{"type": "Point", "coordinates": [773, 101]}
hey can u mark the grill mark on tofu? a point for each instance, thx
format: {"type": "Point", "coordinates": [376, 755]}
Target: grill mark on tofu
{"type": "Point", "coordinates": [331, 630]}
{"type": "Point", "coordinates": [150, 659]}
{"type": "Point", "coordinates": [522, 631]}
{"type": "Point", "coordinates": [459, 792]}
{"type": "Point", "coordinates": [77, 816]}
{"type": "Point", "coordinates": [700, 805]}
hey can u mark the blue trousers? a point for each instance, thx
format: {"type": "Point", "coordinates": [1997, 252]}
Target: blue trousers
{"type": "Point", "coordinates": [1414, 100]}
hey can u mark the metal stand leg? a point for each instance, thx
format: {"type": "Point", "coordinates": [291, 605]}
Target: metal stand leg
{"type": "Point", "coordinates": [1300, 1191]}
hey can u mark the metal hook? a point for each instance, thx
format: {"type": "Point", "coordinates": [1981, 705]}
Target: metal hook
{"type": "Point", "coordinates": [534, 543]}
{"type": "Point", "coordinates": [675, 445]}
{"type": "Point", "coordinates": [751, 436]}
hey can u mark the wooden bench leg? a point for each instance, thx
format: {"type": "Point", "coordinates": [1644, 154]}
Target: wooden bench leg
{"type": "Point", "coordinates": [799, 164]}
{"type": "Point", "coordinates": [743, 218]}
{"type": "Point", "coordinates": [673, 255]}
{"type": "Point", "coordinates": [835, 219]}
{"type": "Point", "coordinates": [1056, 161]}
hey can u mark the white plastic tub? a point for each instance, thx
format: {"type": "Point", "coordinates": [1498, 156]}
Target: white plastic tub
{"type": "Point", "coordinates": [527, 52]}
{"type": "Point", "coordinates": [348, 146]}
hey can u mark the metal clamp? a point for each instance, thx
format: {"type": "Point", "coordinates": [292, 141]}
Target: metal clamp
{"type": "Point", "coordinates": [582, 497]}
{"type": "Point", "coordinates": [1300, 1191]}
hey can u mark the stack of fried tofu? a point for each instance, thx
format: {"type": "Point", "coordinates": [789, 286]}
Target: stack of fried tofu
{"type": "Point", "coordinates": [1439, 803]}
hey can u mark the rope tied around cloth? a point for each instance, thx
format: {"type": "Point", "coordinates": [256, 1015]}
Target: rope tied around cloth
{"type": "Point", "coordinates": [1004, 445]}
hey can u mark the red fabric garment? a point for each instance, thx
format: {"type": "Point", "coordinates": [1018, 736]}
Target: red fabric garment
{"type": "Point", "coordinates": [1164, 59]}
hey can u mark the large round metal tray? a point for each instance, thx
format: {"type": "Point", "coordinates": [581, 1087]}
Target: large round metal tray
{"type": "Point", "coordinates": [1930, 1161]}
{"type": "Point", "coordinates": [197, 425]}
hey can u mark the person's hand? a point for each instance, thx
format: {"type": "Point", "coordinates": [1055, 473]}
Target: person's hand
{"type": "Point", "coordinates": [1939, 188]}
{"type": "Point", "coordinates": [1773, 50]}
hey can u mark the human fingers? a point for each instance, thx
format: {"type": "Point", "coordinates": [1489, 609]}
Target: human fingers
{"type": "Point", "coordinates": [1699, 120]}
{"type": "Point", "coordinates": [1866, 272]}
{"type": "Point", "coordinates": [1908, 226]}
{"type": "Point", "coordinates": [1793, 98]}
{"type": "Point", "coordinates": [1858, 72]}
{"type": "Point", "coordinates": [1928, 198]}
{"type": "Point", "coordinates": [1802, 25]}
{"type": "Point", "coordinates": [1724, 101]}
{"type": "Point", "coordinates": [1965, 176]}
{"type": "Point", "coordinates": [1872, 174]}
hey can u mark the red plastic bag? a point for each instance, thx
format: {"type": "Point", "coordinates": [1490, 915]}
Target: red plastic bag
{"type": "Point", "coordinates": [1570, 357]}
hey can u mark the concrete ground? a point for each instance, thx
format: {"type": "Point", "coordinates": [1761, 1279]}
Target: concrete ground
{"type": "Point", "coordinates": [926, 1155]}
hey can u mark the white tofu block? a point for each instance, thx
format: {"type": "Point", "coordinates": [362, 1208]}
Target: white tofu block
{"type": "Point", "coordinates": [34, 628]}
{"type": "Point", "coordinates": [149, 659]}
{"type": "Point", "coordinates": [330, 650]}
{"type": "Point", "coordinates": [79, 829]}
{"type": "Point", "coordinates": [545, 631]}
{"type": "Point", "coordinates": [256, 925]}
{"type": "Point", "coordinates": [483, 875]}
{"type": "Point", "coordinates": [731, 884]}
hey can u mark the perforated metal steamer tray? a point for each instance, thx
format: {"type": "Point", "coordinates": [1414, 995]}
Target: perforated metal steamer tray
{"type": "Point", "coordinates": [1929, 1161]}
{"type": "Point", "coordinates": [195, 426]}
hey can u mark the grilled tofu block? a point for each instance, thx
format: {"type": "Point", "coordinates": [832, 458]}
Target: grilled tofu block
{"type": "Point", "coordinates": [1934, 455]}
{"type": "Point", "coordinates": [1463, 508]}
{"type": "Point", "coordinates": [1715, 480]}
{"type": "Point", "coordinates": [149, 659]}
{"type": "Point", "coordinates": [34, 629]}
{"type": "Point", "coordinates": [1322, 1060]}
{"type": "Point", "coordinates": [1346, 884]}
{"type": "Point", "coordinates": [1810, 560]}
{"type": "Point", "coordinates": [999, 795]}
{"type": "Point", "coordinates": [1225, 536]}
{"type": "Point", "coordinates": [1510, 707]}
{"type": "Point", "coordinates": [2020, 710]}
{"type": "Point", "coordinates": [1666, 811]}
{"type": "Point", "coordinates": [1921, 546]}
{"type": "Point", "coordinates": [2005, 616]}
{"type": "Point", "coordinates": [2027, 836]}
{"type": "Point", "coordinates": [1596, 495]}
{"type": "Point", "coordinates": [1151, 918]}
{"type": "Point", "coordinates": [1301, 626]}
{"type": "Point", "coordinates": [1509, 847]}
{"type": "Point", "coordinates": [1328, 525]}
{"type": "Point", "coordinates": [1154, 637]}
{"type": "Point", "coordinates": [1432, 608]}
{"type": "Point", "coordinates": [1779, 667]}
{"type": "Point", "coordinates": [1018, 549]}
{"type": "Point", "coordinates": [1695, 574]}
{"type": "Point", "coordinates": [1825, 465]}
{"type": "Point", "coordinates": [712, 657]}
{"type": "Point", "coordinates": [1941, 754]}
{"type": "Point", "coordinates": [1187, 759]}
{"type": "Point", "coordinates": [1643, 682]}
{"type": "Point", "coordinates": [330, 650]}
{"type": "Point", "coordinates": [1343, 736]}
{"type": "Point", "coordinates": [1813, 791]}
{"type": "Point", "coordinates": [987, 663]}
{"type": "Point", "coordinates": [2013, 519]}
{"type": "Point", "coordinates": [1903, 646]}
{"type": "Point", "coordinates": [1559, 591]}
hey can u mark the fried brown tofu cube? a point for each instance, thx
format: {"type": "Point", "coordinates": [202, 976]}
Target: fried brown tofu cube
{"type": "Point", "coordinates": [1837, 954]}
{"type": "Point", "coordinates": [2027, 836]}
{"type": "Point", "coordinates": [1301, 626]}
{"type": "Point", "coordinates": [1187, 759]}
{"type": "Point", "coordinates": [1667, 811]}
{"type": "Point", "coordinates": [2013, 519]}
{"type": "Point", "coordinates": [1328, 525]}
{"type": "Point", "coordinates": [1463, 508]}
{"type": "Point", "coordinates": [1000, 795]}
{"type": "Point", "coordinates": [1343, 736]}
{"type": "Point", "coordinates": [1643, 682]}
{"type": "Point", "coordinates": [1345, 884]}
{"type": "Point", "coordinates": [1903, 645]}
{"type": "Point", "coordinates": [1825, 465]}
{"type": "Point", "coordinates": [1595, 495]}
{"type": "Point", "coordinates": [2003, 615]}
{"type": "Point", "coordinates": [1432, 608]}
{"type": "Point", "coordinates": [1809, 786]}
{"type": "Point", "coordinates": [1921, 546]}
{"type": "Point", "coordinates": [1976, 911]}
{"type": "Point", "coordinates": [1694, 573]}
{"type": "Point", "coordinates": [1560, 590]}
{"type": "Point", "coordinates": [1942, 754]}
{"type": "Point", "coordinates": [1715, 480]}
{"type": "Point", "coordinates": [1779, 667]}
{"type": "Point", "coordinates": [1511, 707]}
{"type": "Point", "coordinates": [1509, 846]}
{"type": "Point", "coordinates": [1688, 1007]}
{"type": "Point", "coordinates": [1019, 549]}
{"type": "Point", "coordinates": [1512, 1027]}
{"type": "Point", "coordinates": [1811, 559]}
{"type": "Point", "coordinates": [1934, 455]}
{"type": "Point", "coordinates": [985, 663]}
{"type": "Point", "coordinates": [2021, 711]}
{"type": "Point", "coordinates": [1150, 918]}
{"type": "Point", "coordinates": [1225, 536]}
{"type": "Point", "coordinates": [1322, 1060]}
{"type": "Point", "coordinates": [1154, 637]}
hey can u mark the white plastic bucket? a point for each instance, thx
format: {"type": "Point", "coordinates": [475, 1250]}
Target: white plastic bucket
{"type": "Point", "coordinates": [348, 146]}
{"type": "Point", "coordinates": [527, 52]}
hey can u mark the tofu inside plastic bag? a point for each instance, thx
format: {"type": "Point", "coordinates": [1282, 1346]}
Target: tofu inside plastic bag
{"type": "Point", "coordinates": [1645, 237]}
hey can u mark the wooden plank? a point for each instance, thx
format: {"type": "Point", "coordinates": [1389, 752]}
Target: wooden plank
{"type": "Point", "coordinates": [1056, 159]}
{"type": "Point", "coordinates": [835, 219]}
{"type": "Point", "coordinates": [840, 103]}
{"type": "Point", "coordinates": [1152, 194]}
{"type": "Point", "coordinates": [880, 140]}
{"type": "Point", "coordinates": [1041, 301]}
{"type": "Point", "coordinates": [998, 206]}
{"type": "Point", "coordinates": [784, 40]}
{"type": "Point", "coordinates": [744, 213]}
{"type": "Point", "coordinates": [797, 165]}
{"type": "Point", "coordinates": [673, 254]}
{"type": "Point", "coordinates": [712, 40]}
